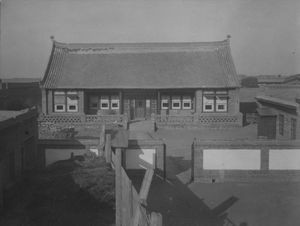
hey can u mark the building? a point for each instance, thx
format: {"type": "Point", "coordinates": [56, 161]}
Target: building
{"type": "Point", "coordinates": [18, 146]}
{"type": "Point", "coordinates": [20, 93]}
{"type": "Point", "coordinates": [175, 84]}
{"type": "Point", "coordinates": [278, 118]}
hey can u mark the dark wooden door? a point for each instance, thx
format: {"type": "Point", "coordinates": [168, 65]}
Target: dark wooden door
{"type": "Point", "coordinates": [267, 127]}
{"type": "Point", "coordinates": [140, 107]}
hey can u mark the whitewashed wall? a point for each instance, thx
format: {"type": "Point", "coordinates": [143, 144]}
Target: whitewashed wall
{"type": "Point", "coordinates": [140, 158]}
{"type": "Point", "coordinates": [231, 159]}
{"type": "Point", "coordinates": [284, 159]}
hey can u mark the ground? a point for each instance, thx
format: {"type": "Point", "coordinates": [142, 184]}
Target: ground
{"type": "Point", "coordinates": [66, 193]}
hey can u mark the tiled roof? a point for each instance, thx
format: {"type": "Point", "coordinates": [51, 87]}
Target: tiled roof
{"type": "Point", "coordinates": [141, 65]}
{"type": "Point", "coordinates": [278, 101]}
{"type": "Point", "coordinates": [4, 115]}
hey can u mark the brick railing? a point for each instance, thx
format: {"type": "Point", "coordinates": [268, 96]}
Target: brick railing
{"type": "Point", "coordinates": [79, 119]}
{"type": "Point", "coordinates": [198, 120]}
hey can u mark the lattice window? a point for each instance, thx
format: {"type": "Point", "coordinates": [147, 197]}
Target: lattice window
{"type": "Point", "coordinates": [59, 101]}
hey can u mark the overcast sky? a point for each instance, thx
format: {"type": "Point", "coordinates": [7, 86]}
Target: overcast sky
{"type": "Point", "coordinates": [265, 33]}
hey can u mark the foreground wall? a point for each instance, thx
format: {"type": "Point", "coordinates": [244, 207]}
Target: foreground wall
{"type": "Point", "coordinates": [219, 161]}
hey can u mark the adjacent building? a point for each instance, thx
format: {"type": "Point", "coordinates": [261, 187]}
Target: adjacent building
{"type": "Point", "coordinates": [186, 84]}
{"type": "Point", "coordinates": [278, 118]}
{"type": "Point", "coordinates": [18, 145]}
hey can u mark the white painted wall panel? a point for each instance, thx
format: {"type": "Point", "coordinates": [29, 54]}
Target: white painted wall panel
{"type": "Point", "coordinates": [284, 159]}
{"type": "Point", "coordinates": [140, 158]}
{"type": "Point", "coordinates": [231, 159]}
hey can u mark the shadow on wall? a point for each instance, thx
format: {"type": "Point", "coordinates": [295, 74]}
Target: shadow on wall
{"type": "Point", "coordinates": [178, 205]}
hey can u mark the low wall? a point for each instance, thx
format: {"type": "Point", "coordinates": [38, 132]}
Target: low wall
{"type": "Point", "coordinates": [218, 161]}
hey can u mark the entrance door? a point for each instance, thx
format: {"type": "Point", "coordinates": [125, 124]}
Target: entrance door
{"type": "Point", "coordinates": [267, 127]}
{"type": "Point", "coordinates": [140, 106]}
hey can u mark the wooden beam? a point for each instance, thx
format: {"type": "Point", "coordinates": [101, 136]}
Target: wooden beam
{"type": "Point", "coordinates": [146, 184]}
{"type": "Point", "coordinates": [108, 148]}
{"type": "Point", "coordinates": [118, 184]}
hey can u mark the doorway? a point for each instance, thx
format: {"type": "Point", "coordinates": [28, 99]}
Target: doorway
{"type": "Point", "coordinates": [140, 108]}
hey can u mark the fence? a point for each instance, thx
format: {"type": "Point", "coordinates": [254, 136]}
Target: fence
{"type": "Point", "coordinates": [245, 160]}
{"type": "Point", "coordinates": [130, 205]}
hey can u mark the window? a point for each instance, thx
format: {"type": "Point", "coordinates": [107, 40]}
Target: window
{"type": "Point", "coordinates": [187, 102]}
{"type": "Point", "coordinates": [115, 102]}
{"type": "Point", "coordinates": [165, 102]}
{"type": "Point", "coordinates": [104, 102]}
{"type": "Point", "coordinates": [281, 124]}
{"type": "Point", "coordinates": [176, 102]}
{"type": "Point", "coordinates": [221, 101]}
{"type": "Point", "coordinates": [208, 101]}
{"type": "Point", "coordinates": [93, 102]}
{"type": "Point", "coordinates": [59, 101]}
{"type": "Point", "coordinates": [72, 101]}
{"type": "Point", "coordinates": [215, 101]}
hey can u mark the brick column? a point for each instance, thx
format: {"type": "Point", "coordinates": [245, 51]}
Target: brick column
{"type": "Point", "coordinates": [264, 158]}
{"type": "Point", "coordinates": [198, 102]}
{"type": "Point", "coordinates": [81, 101]}
{"type": "Point", "coordinates": [44, 101]}
{"type": "Point", "coordinates": [50, 101]}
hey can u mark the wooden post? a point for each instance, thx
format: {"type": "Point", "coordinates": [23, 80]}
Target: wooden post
{"type": "Point", "coordinates": [101, 138]}
{"type": "Point", "coordinates": [156, 219]}
{"type": "Point", "coordinates": [108, 148]}
{"type": "Point", "coordinates": [193, 162]}
{"type": "Point", "coordinates": [118, 184]}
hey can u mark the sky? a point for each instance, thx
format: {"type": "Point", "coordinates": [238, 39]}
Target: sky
{"type": "Point", "coordinates": [265, 34]}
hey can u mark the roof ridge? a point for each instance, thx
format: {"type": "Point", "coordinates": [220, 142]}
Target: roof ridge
{"type": "Point", "coordinates": [140, 45]}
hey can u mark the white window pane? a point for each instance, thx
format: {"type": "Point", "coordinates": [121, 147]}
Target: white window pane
{"type": "Point", "coordinates": [165, 102]}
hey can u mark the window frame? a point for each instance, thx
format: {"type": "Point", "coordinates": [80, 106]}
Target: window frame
{"type": "Point", "coordinates": [176, 99]}
{"type": "Point", "coordinates": [68, 100]}
{"type": "Point", "coordinates": [186, 99]}
{"type": "Point", "coordinates": [55, 105]}
{"type": "Point", "coordinates": [216, 98]}
{"type": "Point", "coordinates": [165, 100]}
{"type": "Point", "coordinates": [104, 101]}
{"type": "Point", "coordinates": [115, 100]}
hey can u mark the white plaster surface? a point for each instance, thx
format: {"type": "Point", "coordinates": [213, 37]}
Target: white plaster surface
{"type": "Point", "coordinates": [140, 158]}
{"type": "Point", "coordinates": [284, 159]}
{"type": "Point", "coordinates": [231, 159]}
